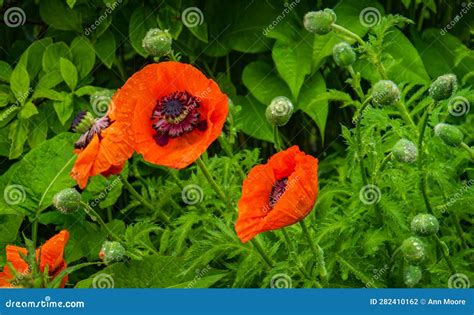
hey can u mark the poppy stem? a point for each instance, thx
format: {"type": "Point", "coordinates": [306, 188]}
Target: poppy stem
{"type": "Point", "coordinates": [143, 201]}
{"type": "Point", "coordinates": [445, 253]}
{"type": "Point", "coordinates": [276, 138]}
{"type": "Point", "coordinates": [317, 252]}
{"type": "Point", "coordinates": [256, 244]}
{"type": "Point", "coordinates": [200, 163]}
{"type": "Point", "coordinates": [423, 188]}
{"type": "Point", "coordinates": [96, 217]}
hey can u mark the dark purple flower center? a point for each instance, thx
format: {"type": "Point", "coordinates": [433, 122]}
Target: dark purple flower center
{"type": "Point", "coordinates": [175, 115]}
{"type": "Point", "coordinates": [96, 129]}
{"type": "Point", "coordinates": [278, 189]}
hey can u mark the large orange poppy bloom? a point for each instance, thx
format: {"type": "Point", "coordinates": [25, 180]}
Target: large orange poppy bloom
{"type": "Point", "coordinates": [50, 254]}
{"type": "Point", "coordinates": [105, 146]}
{"type": "Point", "coordinates": [178, 113]}
{"type": "Point", "coordinates": [277, 194]}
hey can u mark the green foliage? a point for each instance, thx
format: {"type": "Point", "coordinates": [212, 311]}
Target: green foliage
{"type": "Point", "coordinates": [68, 50]}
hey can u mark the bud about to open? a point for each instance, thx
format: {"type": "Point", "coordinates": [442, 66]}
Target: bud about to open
{"type": "Point", "coordinates": [385, 92]}
{"type": "Point", "coordinates": [449, 134]}
{"type": "Point", "coordinates": [319, 22]}
{"type": "Point", "coordinates": [157, 42]}
{"type": "Point", "coordinates": [343, 54]}
{"type": "Point", "coordinates": [405, 151]}
{"type": "Point", "coordinates": [112, 252]}
{"type": "Point", "coordinates": [67, 200]}
{"type": "Point", "coordinates": [443, 87]}
{"type": "Point", "coordinates": [279, 111]}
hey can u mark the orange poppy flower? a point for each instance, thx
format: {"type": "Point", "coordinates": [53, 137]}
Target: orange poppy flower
{"type": "Point", "coordinates": [178, 113]}
{"type": "Point", "coordinates": [50, 254]}
{"type": "Point", "coordinates": [277, 194]}
{"type": "Point", "coordinates": [105, 144]}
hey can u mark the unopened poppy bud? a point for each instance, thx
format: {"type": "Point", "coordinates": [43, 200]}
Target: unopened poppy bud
{"type": "Point", "coordinates": [413, 250]}
{"type": "Point", "coordinates": [111, 252]}
{"type": "Point", "coordinates": [67, 200]}
{"type": "Point", "coordinates": [157, 42]}
{"type": "Point", "coordinates": [412, 275]}
{"type": "Point", "coordinates": [449, 134]}
{"type": "Point", "coordinates": [405, 151]}
{"type": "Point", "coordinates": [424, 224]}
{"type": "Point", "coordinates": [319, 22]}
{"type": "Point", "coordinates": [443, 87]}
{"type": "Point", "coordinates": [343, 54]}
{"type": "Point", "coordinates": [82, 122]}
{"type": "Point", "coordinates": [279, 111]}
{"type": "Point", "coordinates": [385, 92]}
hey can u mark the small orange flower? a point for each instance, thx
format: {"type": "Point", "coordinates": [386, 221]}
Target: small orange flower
{"type": "Point", "coordinates": [51, 255]}
{"type": "Point", "coordinates": [277, 194]}
{"type": "Point", "coordinates": [178, 113]}
{"type": "Point", "coordinates": [105, 144]}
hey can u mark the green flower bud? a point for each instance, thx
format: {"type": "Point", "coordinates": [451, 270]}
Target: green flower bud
{"type": "Point", "coordinates": [413, 250]}
{"type": "Point", "coordinates": [385, 92]}
{"type": "Point", "coordinates": [111, 252]}
{"type": "Point", "coordinates": [343, 54]}
{"type": "Point", "coordinates": [449, 134]}
{"type": "Point", "coordinates": [443, 87]}
{"type": "Point", "coordinates": [279, 111]}
{"type": "Point", "coordinates": [82, 122]}
{"type": "Point", "coordinates": [67, 200]}
{"type": "Point", "coordinates": [412, 275]}
{"type": "Point", "coordinates": [319, 22]}
{"type": "Point", "coordinates": [424, 224]}
{"type": "Point", "coordinates": [405, 151]}
{"type": "Point", "coordinates": [157, 42]}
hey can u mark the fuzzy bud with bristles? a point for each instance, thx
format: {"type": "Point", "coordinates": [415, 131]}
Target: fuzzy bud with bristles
{"type": "Point", "coordinates": [157, 42]}
{"type": "Point", "coordinates": [279, 111]}
{"type": "Point", "coordinates": [405, 151]}
{"type": "Point", "coordinates": [67, 200]}
{"type": "Point", "coordinates": [424, 224]}
{"type": "Point", "coordinates": [449, 134]}
{"type": "Point", "coordinates": [443, 87]}
{"type": "Point", "coordinates": [385, 92]}
{"type": "Point", "coordinates": [343, 54]}
{"type": "Point", "coordinates": [319, 22]}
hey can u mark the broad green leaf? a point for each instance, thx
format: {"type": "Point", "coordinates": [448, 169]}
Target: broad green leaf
{"type": "Point", "coordinates": [28, 110]}
{"type": "Point", "coordinates": [49, 94]}
{"type": "Point", "coordinates": [53, 54]}
{"type": "Point", "coordinates": [18, 134]}
{"type": "Point", "coordinates": [251, 118]}
{"type": "Point", "coordinates": [141, 21]}
{"type": "Point", "coordinates": [68, 72]}
{"type": "Point", "coordinates": [169, 19]}
{"type": "Point", "coordinates": [5, 71]}
{"type": "Point", "coordinates": [40, 129]}
{"type": "Point", "coordinates": [83, 55]}
{"type": "Point", "coordinates": [58, 15]}
{"type": "Point", "coordinates": [20, 83]}
{"type": "Point", "coordinates": [152, 272]}
{"type": "Point", "coordinates": [6, 95]}
{"type": "Point", "coordinates": [32, 58]}
{"type": "Point", "coordinates": [71, 3]}
{"type": "Point", "coordinates": [263, 82]}
{"type": "Point", "coordinates": [34, 185]}
{"type": "Point", "coordinates": [64, 109]}
{"type": "Point", "coordinates": [86, 90]}
{"type": "Point", "coordinates": [293, 61]}
{"type": "Point", "coordinates": [105, 48]}
{"type": "Point", "coordinates": [49, 80]}
{"type": "Point", "coordinates": [200, 31]}
{"type": "Point", "coordinates": [314, 102]}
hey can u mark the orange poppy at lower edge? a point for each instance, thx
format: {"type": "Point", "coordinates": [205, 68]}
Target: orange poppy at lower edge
{"type": "Point", "coordinates": [277, 194]}
{"type": "Point", "coordinates": [178, 113]}
{"type": "Point", "coordinates": [50, 254]}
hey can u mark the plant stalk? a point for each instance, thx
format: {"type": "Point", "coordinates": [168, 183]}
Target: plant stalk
{"type": "Point", "coordinates": [317, 252]}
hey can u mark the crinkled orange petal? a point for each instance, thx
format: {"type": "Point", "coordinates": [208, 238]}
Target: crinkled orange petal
{"type": "Point", "coordinates": [153, 82]}
{"type": "Point", "coordinates": [52, 251]}
{"type": "Point", "coordinates": [82, 169]}
{"type": "Point", "coordinates": [255, 213]}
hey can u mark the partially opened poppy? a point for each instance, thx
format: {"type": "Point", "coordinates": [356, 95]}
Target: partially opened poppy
{"type": "Point", "coordinates": [105, 144]}
{"type": "Point", "coordinates": [178, 113]}
{"type": "Point", "coordinates": [277, 194]}
{"type": "Point", "coordinates": [50, 254]}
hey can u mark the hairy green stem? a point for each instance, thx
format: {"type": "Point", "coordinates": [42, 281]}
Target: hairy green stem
{"type": "Point", "coordinates": [468, 149]}
{"type": "Point", "coordinates": [317, 252]}
{"type": "Point", "coordinates": [405, 115]}
{"type": "Point", "coordinates": [344, 31]}
{"type": "Point", "coordinates": [200, 163]}
{"type": "Point", "coordinates": [292, 249]}
{"type": "Point", "coordinates": [143, 201]}
{"type": "Point", "coordinates": [445, 253]}
{"type": "Point", "coordinates": [359, 140]}
{"type": "Point", "coordinates": [256, 244]}
{"type": "Point", "coordinates": [356, 81]}
{"type": "Point", "coordinates": [96, 217]}
{"type": "Point", "coordinates": [276, 138]}
{"type": "Point", "coordinates": [423, 187]}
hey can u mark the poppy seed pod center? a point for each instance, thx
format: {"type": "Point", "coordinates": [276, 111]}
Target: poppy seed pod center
{"type": "Point", "coordinates": [278, 190]}
{"type": "Point", "coordinates": [176, 114]}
